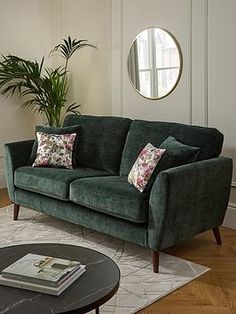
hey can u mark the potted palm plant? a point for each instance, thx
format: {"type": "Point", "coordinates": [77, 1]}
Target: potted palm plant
{"type": "Point", "coordinates": [43, 90]}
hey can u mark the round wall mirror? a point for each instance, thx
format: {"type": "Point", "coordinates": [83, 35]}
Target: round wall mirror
{"type": "Point", "coordinates": [154, 63]}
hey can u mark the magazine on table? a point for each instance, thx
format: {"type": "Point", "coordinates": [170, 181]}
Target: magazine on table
{"type": "Point", "coordinates": [41, 270]}
{"type": "Point", "coordinates": [42, 288]}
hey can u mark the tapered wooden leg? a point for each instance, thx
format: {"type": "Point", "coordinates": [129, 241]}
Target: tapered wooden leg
{"type": "Point", "coordinates": [16, 211]}
{"type": "Point", "coordinates": [217, 235]}
{"type": "Point", "coordinates": [155, 261]}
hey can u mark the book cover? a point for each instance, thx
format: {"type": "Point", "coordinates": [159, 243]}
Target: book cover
{"type": "Point", "coordinates": [42, 288]}
{"type": "Point", "coordinates": [42, 270]}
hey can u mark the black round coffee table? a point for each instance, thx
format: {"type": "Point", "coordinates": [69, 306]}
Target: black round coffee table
{"type": "Point", "coordinates": [95, 287]}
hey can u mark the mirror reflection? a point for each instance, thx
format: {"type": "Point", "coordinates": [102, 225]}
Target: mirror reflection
{"type": "Point", "coordinates": [154, 63]}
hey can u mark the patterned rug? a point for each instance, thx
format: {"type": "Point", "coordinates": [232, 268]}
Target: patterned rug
{"type": "Point", "coordinates": [139, 286]}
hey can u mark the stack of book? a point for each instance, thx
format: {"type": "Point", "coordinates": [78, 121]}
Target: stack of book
{"type": "Point", "coordinates": [41, 273]}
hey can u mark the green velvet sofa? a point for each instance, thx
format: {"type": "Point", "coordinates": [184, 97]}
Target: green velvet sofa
{"type": "Point", "coordinates": [183, 201]}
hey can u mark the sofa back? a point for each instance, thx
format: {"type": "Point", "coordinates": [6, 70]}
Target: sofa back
{"type": "Point", "coordinates": [101, 141]}
{"type": "Point", "coordinates": [210, 140]}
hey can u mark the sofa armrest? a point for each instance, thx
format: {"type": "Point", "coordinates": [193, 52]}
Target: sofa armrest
{"type": "Point", "coordinates": [187, 200]}
{"type": "Point", "coordinates": [17, 154]}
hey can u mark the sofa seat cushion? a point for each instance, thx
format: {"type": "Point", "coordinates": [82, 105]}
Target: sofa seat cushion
{"type": "Point", "coordinates": [53, 182]}
{"type": "Point", "coordinates": [111, 195]}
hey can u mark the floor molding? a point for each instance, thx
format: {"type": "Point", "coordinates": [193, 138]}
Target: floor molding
{"type": "Point", "coordinates": [230, 217]}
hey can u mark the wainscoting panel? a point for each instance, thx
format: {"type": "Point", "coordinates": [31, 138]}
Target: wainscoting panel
{"type": "Point", "coordinates": [134, 16]}
{"type": "Point", "coordinates": [199, 62]}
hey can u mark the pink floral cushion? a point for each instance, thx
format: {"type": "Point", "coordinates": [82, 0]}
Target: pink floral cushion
{"type": "Point", "coordinates": [144, 166]}
{"type": "Point", "coordinates": [55, 150]}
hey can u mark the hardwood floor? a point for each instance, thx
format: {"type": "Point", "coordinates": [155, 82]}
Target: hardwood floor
{"type": "Point", "coordinates": [213, 292]}
{"type": "Point", "coordinates": [4, 200]}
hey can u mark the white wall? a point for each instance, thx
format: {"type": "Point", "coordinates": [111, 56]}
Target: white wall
{"type": "Point", "coordinates": [90, 68]}
{"type": "Point", "coordinates": [22, 32]}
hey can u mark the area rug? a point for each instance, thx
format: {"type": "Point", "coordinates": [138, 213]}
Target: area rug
{"type": "Point", "coordinates": [139, 286]}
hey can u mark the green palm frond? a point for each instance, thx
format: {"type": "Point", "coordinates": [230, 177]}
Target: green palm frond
{"type": "Point", "coordinates": [44, 90]}
{"type": "Point", "coordinates": [69, 47]}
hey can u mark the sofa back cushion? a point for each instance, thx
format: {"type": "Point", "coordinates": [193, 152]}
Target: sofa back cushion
{"type": "Point", "coordinates": [101, 141]}
{"type": "Point", "coordinates": [210, 140]}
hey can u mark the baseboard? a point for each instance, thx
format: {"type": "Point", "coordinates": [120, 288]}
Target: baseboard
{"type": "Point", "coordinates": [230, 217]}
{"type": "Point", "coordinates": [2, 179]}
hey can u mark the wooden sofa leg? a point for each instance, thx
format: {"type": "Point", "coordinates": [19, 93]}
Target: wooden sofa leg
{"type": "Point", "coordinates": [155, 261]}
{"type": "Point", "coordinates": [16, 211]}
{"type": "Point", "coordinates": [217, 235]}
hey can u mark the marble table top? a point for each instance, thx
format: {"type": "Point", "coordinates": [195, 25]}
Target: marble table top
{"type": "Point", "coordinates": [97, 285]}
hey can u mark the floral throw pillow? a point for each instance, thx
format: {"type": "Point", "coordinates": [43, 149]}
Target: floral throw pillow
{"type": "Point", "coordinates": [144, 166]}
{"type": "Point", "coordinates": [55, 150]}
{"type": "Point", "coordinates": [54, 130]}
